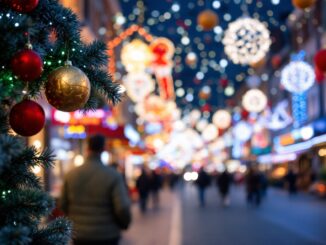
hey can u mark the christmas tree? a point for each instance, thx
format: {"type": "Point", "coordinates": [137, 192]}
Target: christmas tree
{"type": "Point", "coordinates": [41, 50]}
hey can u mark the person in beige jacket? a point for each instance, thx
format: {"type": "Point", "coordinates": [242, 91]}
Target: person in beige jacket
{"type": "Point", "coordinates": [95, 199]}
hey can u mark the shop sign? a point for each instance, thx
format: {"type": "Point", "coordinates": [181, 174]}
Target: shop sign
{"type": "Point", "coordinates": [97, 117]}
{"type": "Point", "coordinates": [74, 132]}
{"type": "Point", "coordinates": [276, 158]}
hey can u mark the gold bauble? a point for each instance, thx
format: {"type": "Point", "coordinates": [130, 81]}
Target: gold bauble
{"type": "Point", "coordinates": [303, 4]}
{"type": "Point", "coordinates": [68, 88]}
{"type": "Point", "coordinates": [207, 19]}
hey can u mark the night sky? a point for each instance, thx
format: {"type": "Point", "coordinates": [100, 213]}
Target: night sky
{"type": "Point", "coordinates": [177, 20]}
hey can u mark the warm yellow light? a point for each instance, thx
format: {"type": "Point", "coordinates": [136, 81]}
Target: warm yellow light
{"type": "Point", "coordinates": [322, 152]}
{"type": "Point", "coordinates": [37, 144]}
{"type": "Point", "coordinates": [210, 133]}
{"type": "Point", "coordinates": [136, 56]}
{"type": "Point", "coordinates": [36, 170]}
{"type": "Point", "coordinates": [76, 129]}
{"type": "Point", "coordinates": [254, 100]}
{"type": "Point", "coordinates": [79, 160]}
{"type": "Point", "coordinates": [279, 172]}
{"type": "Point", "coordinates": [222, 119]}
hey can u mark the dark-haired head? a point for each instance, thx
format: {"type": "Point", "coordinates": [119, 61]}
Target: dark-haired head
{"type": "Point", "coordinates": [96, 143]}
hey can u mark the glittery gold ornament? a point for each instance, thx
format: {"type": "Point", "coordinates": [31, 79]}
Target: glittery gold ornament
{"type": "Point", "coordinates": [67, 88]}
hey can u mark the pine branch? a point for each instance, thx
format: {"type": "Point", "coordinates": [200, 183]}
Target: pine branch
{"type": "Point", "coordinates": [101, 81]}
{"type": "Point", "coordinates": [58, 232]}
{"type": "Point", "coordinates": [9, 147]}
{"type": "Point", "coordinates": [25, 206]}
{"type": "Point", "coordinates": [15, 235]}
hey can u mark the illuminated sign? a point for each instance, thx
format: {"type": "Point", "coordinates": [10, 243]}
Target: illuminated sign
{"type": "Point", "coordinates": [75, 132]}
{"type": "Point", "coordinates": [97, 117]}
{"type": "Point", "coordinates": [276, 158]}
{"type": "Point", "coordinates": [302, 134]}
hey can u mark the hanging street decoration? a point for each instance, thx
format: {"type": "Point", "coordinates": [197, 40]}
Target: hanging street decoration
{"type": "Point", "coordinates": [246, 41]}
{"type": "Point", "coordinates": [278, 119]}
{"type": "Point", "coordinates": [299, 109]}
{"type": "Point", "coordinates": [210, 133]}
{"type": "Point", "coordinates": [138, 85]}
{"type": "Point", "coordinates": [201, 125]}
{"type": "Point", "coordinates": [320, 60]}
{"type": "Point", "coordinates": [163, 51]}
{"type": "Point", "coordinates": [114, 43]}
{"type": "Point", "coordinates": [297, 76]}
{"type": "Point", "coordinates": [207, 19]}
{"type": "Point", "coordinates": [136, 56]}
{"type": "Point", "coordinates": [155, 109]}
{"type": "Point", "coordinates": [254, 100]}
{"type": "Point", "coordinates": [222, 119]}
{"type": "Point", "coordinates": [180, 149]}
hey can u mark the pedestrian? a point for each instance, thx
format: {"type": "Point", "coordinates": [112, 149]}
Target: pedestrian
{"type": "Point", "coordinates": [223, 184]}
{"type": "Point", "coordinates": [95, 199]}
{"type": "Point", "coordinates": [143, 187]}
{"type": "Point", "coordinates": [155, 186]}
{"type": "Point", "coordinates": [264, 184]}
{"type": "Point", "coordinates": [202, 182]}
{"type": "Point", "coordinates": [253, 182]}
{"type": "Point", "coordinates": [291, 179]}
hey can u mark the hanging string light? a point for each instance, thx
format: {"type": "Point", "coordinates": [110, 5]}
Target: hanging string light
{"type": "Point", "coordinates": [254, 100]}
{"type": "Point", "coordinates": [297, 76]}
{"type": "Point", "coordinates": [246, 41]}
{"type": "Point", "coordinates": [222, 119]}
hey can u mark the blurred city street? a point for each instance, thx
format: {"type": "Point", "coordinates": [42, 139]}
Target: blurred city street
{"type": "Point", "coordinates": [299, 220]}
{"type": "Point", "coordinates": [172, 122]}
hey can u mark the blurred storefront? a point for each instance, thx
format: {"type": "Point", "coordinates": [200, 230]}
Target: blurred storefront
{"type": "Point", "coordinates": [297, 144]}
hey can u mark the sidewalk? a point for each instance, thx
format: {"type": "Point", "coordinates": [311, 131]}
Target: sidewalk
{"type": "Point", "coordinates": [156, 227]}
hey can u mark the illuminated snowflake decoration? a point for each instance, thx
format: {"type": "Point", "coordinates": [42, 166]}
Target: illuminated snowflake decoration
{"type": "Point", "coordinates": [254, 100]}
{"type": "Point", "coordinates": [246, 41]}
{"type": "Point", "coordinates": [297, 77]}
{"type": "Point", "coordinates": [138, 85]}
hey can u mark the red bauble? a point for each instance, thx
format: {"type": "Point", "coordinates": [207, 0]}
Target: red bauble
{"type": "Point", "coordinates": [27, 118]}
{"type": "Point", "coordinates": [23, 6]}
{"type": "Point", "coordinates": [27, 65]}
{"type": "Point", "coordinates": [320, 60]}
